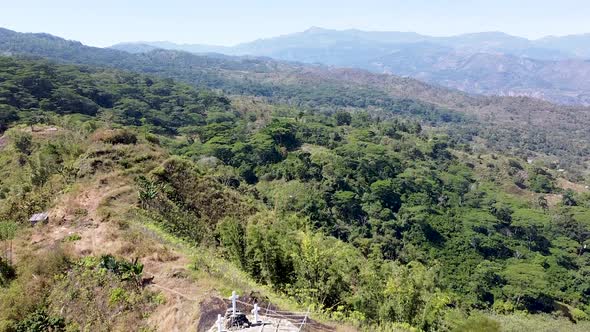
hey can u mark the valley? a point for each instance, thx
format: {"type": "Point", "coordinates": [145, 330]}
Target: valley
{"type": "Point", "coordinates": [164, 198]}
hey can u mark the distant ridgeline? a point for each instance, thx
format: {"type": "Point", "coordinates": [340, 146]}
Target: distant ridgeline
{"type": "Point", "coordinates": [371, 219]}
{"type": "Point", "coordinates": [491, 63]}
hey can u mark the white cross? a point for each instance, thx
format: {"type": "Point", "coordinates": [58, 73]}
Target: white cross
{"type": "Point", "coordinates": [233, 299]}
{"type": "Point", "coordinates": [219, 322]}
{"type": "Point", "coordinates": [255, 312]}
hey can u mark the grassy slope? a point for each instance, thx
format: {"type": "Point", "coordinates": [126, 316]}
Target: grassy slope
{"type": "Point", "coordinates": [98, 215]}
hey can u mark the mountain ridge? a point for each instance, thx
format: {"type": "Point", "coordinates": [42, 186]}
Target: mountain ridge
{"type": "Point", "coordinates": [409, 37]}
{"type": "Point", "coordinates": [560, 73]}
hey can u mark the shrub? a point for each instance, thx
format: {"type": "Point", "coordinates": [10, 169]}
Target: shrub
{"type": "Point", "coordinates": [6, 272]}
{"type": "Point", "coordinates": [23, 142]}
{"type": "Point", "coordinates": [541, 183]}
{"type": "Point", "coordinates": [579, 315]}
{"type": "Point", "coordinates": [152, 139]}
{"type": "Point", "coordinates": [131, 271]}
{"type": "Point", "coordinates": [72, 238]}
{"type": "Point", "coordinates": [503, 307]}
{"type": "Point", "coordinates": [117, 296]}
{"type": "Point", "coordinates": [40, 321]}
{"type": "Point", "coordinates": [479, 323]}
{"type": "Point", "coordinates": [568, 198]}
{"type": "Point", "coordinates": [116, 136]}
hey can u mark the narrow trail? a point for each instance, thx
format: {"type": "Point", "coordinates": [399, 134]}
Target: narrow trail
{"type": "Point", "coordinates": [77, 213]}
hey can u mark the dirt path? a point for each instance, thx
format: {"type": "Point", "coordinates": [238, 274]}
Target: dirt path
{"type": "Point", "coordinates": [3, 142]}
{"type": "Point", "coordinates": [76, 214]}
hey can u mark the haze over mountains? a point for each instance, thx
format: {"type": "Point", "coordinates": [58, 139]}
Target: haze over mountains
{"type": "Point", "coordinates": [493, 63]}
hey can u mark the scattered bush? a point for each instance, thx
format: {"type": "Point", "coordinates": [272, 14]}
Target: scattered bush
{"type": "Point", "coordinates": [541, 183]}
{"type": "Point", "coordinates": [479, 323]}
{"type": "Point", "coordinates": [115, 136]}
{"type": "Point", "coordinates": [568, 198]}
{"type": "Point", "coordinates": [131, 271]}
{"type": "Point", "coordinates": [6, 272]}
{"type": "Point", "coordinates": [23, 142]}
{"type": "Point", "coordinates": [72, 238]}
{"type": "Point", "coordinates": [152, 139]}
{"type": "Point", "coordinates": [40, 321]}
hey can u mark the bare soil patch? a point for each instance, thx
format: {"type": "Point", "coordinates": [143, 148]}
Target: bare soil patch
{"type": "Point", "coordinates": [77, 213]}
{"type": "Point", "coordinates": [576, 187]}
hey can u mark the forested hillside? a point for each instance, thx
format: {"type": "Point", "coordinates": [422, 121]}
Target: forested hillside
{"type": "Point", "coordinates": [375, 222]}
{"type": "Point", "coordinates": [520, 126]}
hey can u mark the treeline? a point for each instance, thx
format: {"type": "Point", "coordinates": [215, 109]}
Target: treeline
{"type": "Point", "coordinates": [31, 90]}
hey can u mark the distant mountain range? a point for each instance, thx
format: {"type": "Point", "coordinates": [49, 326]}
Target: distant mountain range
{"type": "Point", "coordinates": [547, 48]}
{"type": "Point", "coordinates": [492, 63]}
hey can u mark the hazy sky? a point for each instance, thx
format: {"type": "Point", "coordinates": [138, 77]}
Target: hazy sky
{"type": "Point", "coordinates": [226, 22]}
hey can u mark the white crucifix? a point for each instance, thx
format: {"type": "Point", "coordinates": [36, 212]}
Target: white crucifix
{"type": "Point", "coordinates": [219, 323]}
{"type": "Point", "coordinates": [255, 312]}
{"type": "Point", "coordinates": [234, 297]}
